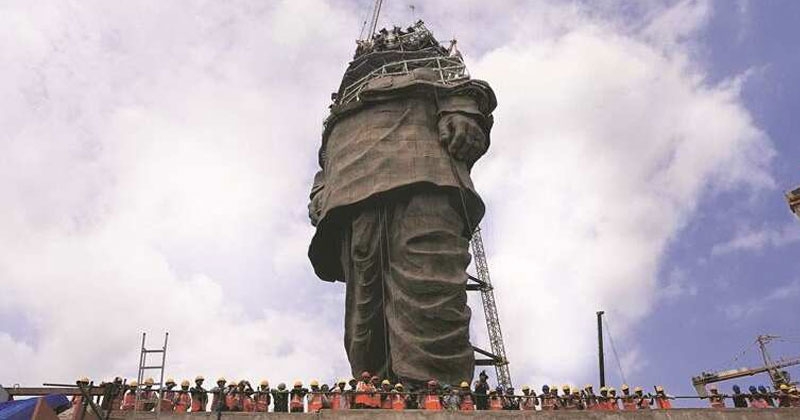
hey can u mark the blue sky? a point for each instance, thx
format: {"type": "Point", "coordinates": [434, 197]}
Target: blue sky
{"type": "Point", "coordinates": [157, 160]}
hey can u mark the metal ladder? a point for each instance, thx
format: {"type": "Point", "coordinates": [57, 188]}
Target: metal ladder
{"type": "Point", "coordinates": [143, 367]}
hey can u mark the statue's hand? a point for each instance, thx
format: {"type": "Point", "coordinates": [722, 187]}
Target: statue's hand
{"type": "Point", "coordinates": [462, 136]}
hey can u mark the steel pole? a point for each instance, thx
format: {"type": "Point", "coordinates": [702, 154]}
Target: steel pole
{"type": "Point", "coordinates": [600, 354]}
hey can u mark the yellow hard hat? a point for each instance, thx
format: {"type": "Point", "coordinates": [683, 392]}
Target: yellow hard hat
{"type": "Point", "coordinates": [611, 389]}
{"type": "Point", "coordinates": [185, 382]}
{"type": "Point", "coordinates": [567, 387]}
{"type": "Point", "coordinates": [624, 387]}
{"type": "Point", "coordinates": [602, 388]}
{"type": "Point", "coordinates": [659, 388]}
{"type": "Point", "coordinates": [84, 380]}
{"type": "Point", "coordinates": [576, 391]}
{"type": "Point", "coordinates": [264, 383]}
{"type": "Point", "coordinates": [553, 388]}
{"type": "Point", "coordinates": [638, 389]}
{"type": "Point", "coordinates": [314, 382]}
{"type": "Point", "coordinates": [342, 381]}
{"type": "Point", "coordinates": [385, 382]}
{"type": "Point", "coordinates": [232, 382]}
{"type": "Point", "coordinates": [221, 379]}
{"type": "Point", "coordinates": [588, 386]}
{"type": "Point", "coordinates": [169, 381]}
{"type": "Point", "coordinates": [465, 384]}
{"type": "Point", "coordinates": [199, 378]}
{"type": "Point", "coordinates": [784, 387]}
{"type": "Point", "coordinates": [298, 383]}
{"type": "Point", "coordinates": [133, 383]}
{"type": "Point", "coordinates": [149, 381]}
{"type": "Point", "coordinates": [398, 386]}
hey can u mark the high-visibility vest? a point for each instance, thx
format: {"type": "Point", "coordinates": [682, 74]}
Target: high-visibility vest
{"type": "Point", "coordinates": [628, 403]}
{"type": "Point", "coordinates": [613, 403]}
{"type": "Point", "coordinates": [339, 400]}
{"type": "Point", "coordinates": [167, 401]}
{"type": "Point", "coordinates": [495, 403]}
{"type": "Point", "coordinates": [466, 403]}
{"type": "Point", "coordinates": [663, 403]}
{"type": "Point", "coordinates": [375, 399]}
{"type": "Point", "coordinates": [386, 400]}
{"type": "Point", "coordinates": [232, 401]}
{"type": "Point", "coordinates": [398, 401]}
{"type": "Point", "coordinates": [642, 403]}
{"type": "Point", "coordinates": [315, 402]}
{"type": "Point", "coordinates": [432, 402]}
{"type": "Point", "coordinates": [547, 403]}
{"type": "Point", "coordinates": [362, 394]}
{"type": "Point", "coordinates": [716, 401]}
{"type": "Point", "coordinates": [129, 401]}
{"type": "Point", "coordinates": [183, 402]}
{"type": "Point", "coordinates": [262, 401]}
{"type": "Point", "coordinates": [528, 403]}
{"type": "Point", "coordinates": [77, 402]}
{"type": "Point", "coordinates": [296, 403]}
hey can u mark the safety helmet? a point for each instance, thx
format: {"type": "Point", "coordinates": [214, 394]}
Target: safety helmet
{"type": "Point", "coordinates": [712, 388]}
{"type": "Point", "coordinates": [221, 379]}
{"type": "Point", "coordinates": [545, 388]}
{"type": "Point", "coordinates": [465, 384]}
{"type": "Point", "coordinates": [611, 389]}
{"type": "Point", "coordinates": [659, 388]}
{"type": "Point", "coordinates": [264, 382]}
{"type": "Point", "coordinates": [149, 381]}
{"type": "Point", "coordinates": [297, 384]}
{"type": "Point", "coordinates": [784, 387]}
{"type": "Point", "coordinates": [232, 382]}
{"type": "Point", "coordinates": [83, 380]}
{"type": "Point", "coordinates": [243, 382]}
{"type": "Point", "coordinates": [314, 382]}
{"type": "Point", "coordinates": [199, 378]}
{"type": "Point", "coordinates": [553, 388]}
{"type": "Point", "coordinates": [386, 382]}
{"type": "Point", "coordinates": [603, 389]}
{"type": "Point", "coordinates": [133, 383]}
{"type": "Point", "coordinates": [169, 381]}
{"type": "Point", "coordinates": [185, 382]}
{"type": "Point", "coordinates": [526, 388]}
{"type": "Point", "coordinates": [588, 386]}
{"type": "Point", "coordinates": [575, 391]}
{"type": "Point", "coordinates": [565, 386]}
{"type": "Point", "coordinates": [365, 375]}
{"type": "Point", "coordinates": [398, 387]}
{"type": "Point", "coordinates": [281, 386]}
{"type": "Point", "coordinates": [432, 383]}
{"type": "Point", "coordinates": [624, 387]}
{"type": "Point", "coordinates": [342, 381]}
{"type": "Point", "coordinates": [639, 389]}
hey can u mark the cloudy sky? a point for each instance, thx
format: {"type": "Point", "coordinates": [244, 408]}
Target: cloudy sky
{"type": "Point", "coordinates": [155, 161]}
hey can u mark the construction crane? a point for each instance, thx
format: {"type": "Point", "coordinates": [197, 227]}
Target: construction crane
{"type": "Point", "coordinates": [773, 368]}
{"type": "Point", "coordinates": [793, 199]}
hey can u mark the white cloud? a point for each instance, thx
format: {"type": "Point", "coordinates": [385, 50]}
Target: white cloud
{"type": "Point", "coordinates": [156, 160]}
{"type": "Point", "coordinates": [754, 307]}
{"type": "Point", "coordinates": [749, 239]}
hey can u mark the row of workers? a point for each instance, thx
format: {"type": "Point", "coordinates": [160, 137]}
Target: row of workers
{"type": "Point", "coordinates": [759, 397]}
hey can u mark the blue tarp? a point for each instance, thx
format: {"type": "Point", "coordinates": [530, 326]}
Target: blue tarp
{"type": "Point", "coordinates": [23, 409]}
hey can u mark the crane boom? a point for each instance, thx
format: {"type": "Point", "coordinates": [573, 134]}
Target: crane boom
{"type": "Point", "coordinates": [704, 379]}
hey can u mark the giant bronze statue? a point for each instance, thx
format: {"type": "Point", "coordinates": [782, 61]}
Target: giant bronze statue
{"type": "Point", "coordinates": [394, 206]}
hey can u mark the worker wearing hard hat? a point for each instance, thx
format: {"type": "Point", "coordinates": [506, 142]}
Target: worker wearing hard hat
{"type": "Point", "coordinates": [716, 399]}
{"type": "Point", "coordinates": [262, 397]}
{"type": "Point", "coordinates": [548, 403]}
{"type": "Point", "coordinates": [467, 402]}
{"type": "Point", "coordinates": [432, 399]}
{"type": "Point", "coordinates": [643, 402]}
{"type": "Point", "coordinates": [565, 401]}
{"type": "Point", "coordinates": [129, 401]}
{"type": "Point", "coordinates": [281, 397]}
{"type": "Point", "coordinates": [232, 401]}
{"type": "Point", "coordinates": [315, 397]}
{"type": "Point", "coordinates": [528, 400]}
{"type": "Point", "coordinates": [77, 400]}
{"type": "Point", "coordinates": [199, 395]}
{"type": "Point", "coordinates": [589, 399]}
{"type": "Point", "coordinates": [784, 399]}
{"type": "Point", "coordinates": [183, 399]}
{"type": "Point", "coordinates": [481, 391]}
{"type": "Point", "coordinates": [662, 399]}
{"type": "Point", "coordinates": [339, 398]}
{"type": "Point", "coordinates": [296, 396]}
{"type": "Point", "coordinates": [613, 399]}
{"type": "Point", "coordinates": [794, 396]}
{"type": "Point", "coordinates": [496, 399]}
{"type": "Point", "coordinates": [628, 400]}
{"type": "Point", "coordinates": [218, 396]}
{"type": "Point", "coordinates": [398, 397]}
{"type": "Point", "coordinates": [364, 390]}
{"type": "Point", "coordinates": [168, 396]}
{"type": "Point", "coordinates": [148, 397]}
{"type": "Point", "coordinates": [385, 395]}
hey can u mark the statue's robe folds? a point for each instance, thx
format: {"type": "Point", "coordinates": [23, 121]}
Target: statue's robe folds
{"type": "Point", "coordinates": [391, 207]}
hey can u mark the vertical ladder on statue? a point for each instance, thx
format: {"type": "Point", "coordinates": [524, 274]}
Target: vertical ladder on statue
{"type": "Point", "coordinates": [483, 283]}
{"type": "Point", "coordinates": [144, 372]}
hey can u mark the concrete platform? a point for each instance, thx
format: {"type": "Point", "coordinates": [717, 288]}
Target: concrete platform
{"type": "Point", "coordinates": [675, 414]}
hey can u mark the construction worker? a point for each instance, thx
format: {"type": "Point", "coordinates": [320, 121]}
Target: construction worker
{"type": "Point", "coordinates": [281, 397]}
{"type": "Point", "coordinates": [385, 394]}
{"type": "Point", "coordinates": [398, 398]}
{"type": "Point", "coordinates": [663, 400]}
{"type": "Point", "coordinates": [413, 399]}
{"type": "Point", "coordinates": [245, 392]}
{"type": "Point", "coordinates": [577, 399]}
{"type": "Point", "coordinates": [510, 401]}
{"type": "Point", "coordinates": [451, 400]}
{"type": "Point", "coordinates": [783, 396]}
{"type": "Point", "coordinates": [556, 398]}
{"type": "Point", "coordinates": [199, 395]}
{"type": "Point", "coordinates": [168, 396]}
{"type": "Point", "coordinates": [314, 397]}
{"type": "Point", "coordinates": [716, 399]}
{"type": "Point", "coordinates": [112, 394]}
{"type": "Point", "coordinates": [628, 400]}
{"type": "Point", "coordinates": [548, 403]}
{"type": "Point", "coordinates": [148, 397]}
{"type": "Point", "coordinates": [431, 399]}
{"type": "Point", "coordinates": [794, 396]}
{"type": "Point", "coordinates": [364, 390]}
{"type": "Point", "coordinates": [602, 400]}
{"type": "Point", "coordinates": [527, 401]}
{"type": "Point", "coordinates": [77, 400]}
{"type": "Point", "coordinates": [481, 391]}
{"type": "Point", "coordinates": [129, 401]}
{"type": "Point", "coordinates": [467, 403]}
{"type": "Point", "coordinates": [339, 398]}
{"type": "Point", "coordinates": [262, 397]}
{"type": "Point", "coordinates": [613, 400]}
{"type": "Point", "coordinates": [768, 397]}
{"type": "Point", "coordinates": [218, 399]}
{"type": "Point", "coordinates": [326, 396]}
{"type": "Point", "coordinates": [643, 402]}
{"type": "Point", "coordinates": [739, 399]}
{"type": "Point", "coordinates": [182, 401]}
{"type": "Point", "coordinates": [296, 396]}
{"type": "Point", "coordinates": [376, 394]}
{"type": "Point", "coordinates": [496, 399]}
{"type": "Point", "coordinates": [565, 401]}
{"type": "Point", "coordinates": [590, 400]}
{"type": "Point", "coordinates": [232, 397]}
{"type": "Point", "coordinates": [755, 399]}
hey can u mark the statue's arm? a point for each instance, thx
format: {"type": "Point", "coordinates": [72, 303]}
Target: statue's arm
{"type": "Point", "coordinates": [464, 127]}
